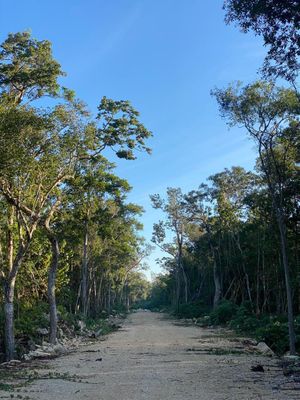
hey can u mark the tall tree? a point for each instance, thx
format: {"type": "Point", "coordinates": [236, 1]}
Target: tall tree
{"type": "Point", "coordinates": [199, 208]}
{"type": "Point", "coordinates": [27, 72]}
{"type": "Point", "coordinates": [271, 117]}
{"type": "Point", "coordinates": [176, 222]}
{"type": "Point", "coordinates": [278, 22]}
{"type": "Point", "coordinates": [229, 190]}
{"type": "Point", "coordinates": [41, 149]}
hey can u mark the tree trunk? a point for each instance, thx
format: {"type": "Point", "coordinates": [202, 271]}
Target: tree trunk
{"type": "Point", "coordinates": [109, 298]}
{"type": "Point", "coordinates": [84, 286]}
{"type": "Point", "coordinates": [177, 288]}
{"type": "Point", "coordinates": [282, 230]}
{"type": "Point", "coordinates": [77, 304]}
{"type": "Point", "coordinates": [217, 295]}
{"type": "Point", "coordinates": [9, 320]}
{"type": "Point", "coordinates": [277, 198]}
{"type": "Point", "coordinates": [99, 292]}
{"type": "Point", "coordinates": [229, 288]}
{"type": "Point", "coordinates": [257, 308]}
{"type": "Point", "coordinates": [9, 290]}
{"type": "Point", "coordinates": [217, 281]}
{"type": "Point", "coordinates": [181, 267]}
{"type": "Point", "coordinates": [127, 301]}
{"type": "Point", "coordinates": [244, 270]}
{"type": "Point", "coordinates": [51, 287]}
{"type": "Point", "coordinates": [52, 273]}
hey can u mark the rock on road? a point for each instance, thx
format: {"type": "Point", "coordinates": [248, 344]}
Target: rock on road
{"type": "Point", "coordinates": [153, 357]}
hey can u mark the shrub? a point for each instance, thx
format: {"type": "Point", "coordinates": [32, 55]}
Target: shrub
{"type": "Point", "coordinates": [244, 320]}
{"type": "Point", "coordinates": [31, 318]}
{"type": "Point", "coordinates": [223, 313]}
{"type": "Point", "coordinates": [275, 334]}
{"type": "Point", "coordinates": [192, 310]}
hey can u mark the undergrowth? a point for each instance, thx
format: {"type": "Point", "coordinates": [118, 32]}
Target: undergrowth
{"type": "Point", "coordinates": [271, 329]}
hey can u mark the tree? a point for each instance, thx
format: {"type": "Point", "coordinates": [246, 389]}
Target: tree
{"type": "Point", "coordinates": [27, 72]}
{"type": "Point", "coordinates": [271, 117]}
{"type": "Point", "coordinates": [176, 222]}
{"type": "Point", "coordinates": [94, 197]}
{"type": "Point", "coordinates": [27, 68]}
{"type": "Point", "coordinates": [278, 22]}
{"type": "Point", "coordinates": [230, 188]}
{"type": "Point", "coordinates": [42, 149]}
{"type": "Point", "coordinates": [198, 204]}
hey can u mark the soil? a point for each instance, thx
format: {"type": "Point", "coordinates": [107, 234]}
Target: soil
{"type": "Point", "coordinates": [155, 357]}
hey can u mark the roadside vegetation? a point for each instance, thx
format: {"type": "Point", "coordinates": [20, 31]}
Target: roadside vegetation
{"type": "Point", "coordinates": [70, 244]}
{"type": "Point", "coordinates": [71, 248]}
{"type": "Point", "coordinates": [232, 243]}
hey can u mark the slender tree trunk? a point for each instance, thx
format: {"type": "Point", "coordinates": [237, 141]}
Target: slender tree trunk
{"type": "Point", "coordinates": [257, 309]}
{"type": "Point", "coordinates": [99, 292]}
{"type": "Point", "coordinates": [52, 273]}
{"type": "Point", "coordinates": [282, 230]}
{"type": "Point", "coordinates": [109, 298]}
{"type": "Point", "coordinates": [51, 287]}
{"type": "Point", "coordinates": [9, 320]}
{"type": "Point", "coordinates": [177, 288]}
{"type": "Point", "coordinates": [277, 198]}
{"type": "Point", "coordinates": [217, 281]}
{"type": "Point", "coordinates": [229, 288]}
{"type": "Point", "coordinates": [9, 293]}
{"type": "Point", "coordinates": [257, 305]}
{"type": "Point", "coordinates": [127, 301]}
{"type": "Point", "coordinates": [263, 307]}
{"type": "Point", "coordinates": [9, 290]}
{"type": "Point", "coordinates": [84, 286]}
{"type": "Point", "coordinates": [244, 270]}
{"type": "Point", "coordinates": [217, 295]}
{"type": "Point", "coordinates": [181, 267]}
{"type": "Point", "coordinates": [14, 264]}
{"type": "Point", "coordinates": [77, 304]}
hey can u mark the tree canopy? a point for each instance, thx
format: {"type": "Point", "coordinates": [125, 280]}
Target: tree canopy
{"type": "Point", "coordinates": [278, 22]}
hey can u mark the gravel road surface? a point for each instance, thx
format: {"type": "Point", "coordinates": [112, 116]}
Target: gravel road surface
{"type": "Point", "coordinates": [156, 358]}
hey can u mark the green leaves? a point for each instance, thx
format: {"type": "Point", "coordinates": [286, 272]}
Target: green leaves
{"type": "Point", "coordinates": [27, 68]}
{"type": "Point", "coordinates": [120, 129]}
{"type": "Point", "coordinates": [262, 108]}
{"type": "Point", "coordinates": [278, 23]}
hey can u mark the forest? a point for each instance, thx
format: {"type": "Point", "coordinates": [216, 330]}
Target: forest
{"type": "Point", "coordinates": [68, 235]}
{"type": "Point", "coordinates": [71, 244]}
{"type": "Point", "coordinates": [232, 243]}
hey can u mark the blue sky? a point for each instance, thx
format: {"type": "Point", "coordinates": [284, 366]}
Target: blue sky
{"type": "Point", "coordinates": [164, 56]}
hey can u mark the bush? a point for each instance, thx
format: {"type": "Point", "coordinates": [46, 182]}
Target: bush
{"type": "Point", "coordinates": [223, 313]}
{"type": "Point", "coordinates": [275, 334]}
{"type": "Point", "coordinates": [31, 318]}
{"type": "Point", "coordinates": [119, 309]}
{"type": "Point", "coordinates": [192, 310]}
{"type": "Point", "coordinates": [244, 320]}
{"type": "Point", "coordinates": [100, 325]}
{"type": "Point", "coordinates": [273, 330]}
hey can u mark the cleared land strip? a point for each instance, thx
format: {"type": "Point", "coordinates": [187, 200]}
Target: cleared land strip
{"type": "Point", "coordinates": [152, 357]}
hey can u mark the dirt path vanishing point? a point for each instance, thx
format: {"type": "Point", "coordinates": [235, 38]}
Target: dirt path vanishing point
{"type": "Point", "coordinates": [155, 358]}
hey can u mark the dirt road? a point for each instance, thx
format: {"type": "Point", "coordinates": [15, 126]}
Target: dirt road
{"type": "Point", "coordinates": [155, 358]}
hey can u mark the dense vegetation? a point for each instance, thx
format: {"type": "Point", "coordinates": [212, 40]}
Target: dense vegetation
{"type": "Point", "coordinates": [232, 243]}
{"type": "Point", "coordinates": [70, 245]}
{"type": "Point", "coordinates": [67, 233]}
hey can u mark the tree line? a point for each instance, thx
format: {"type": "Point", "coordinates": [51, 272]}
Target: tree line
{"type": "Point", "coordinates": [66, 227]}
{"type": "Point", "coordinates": [237, 236]}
